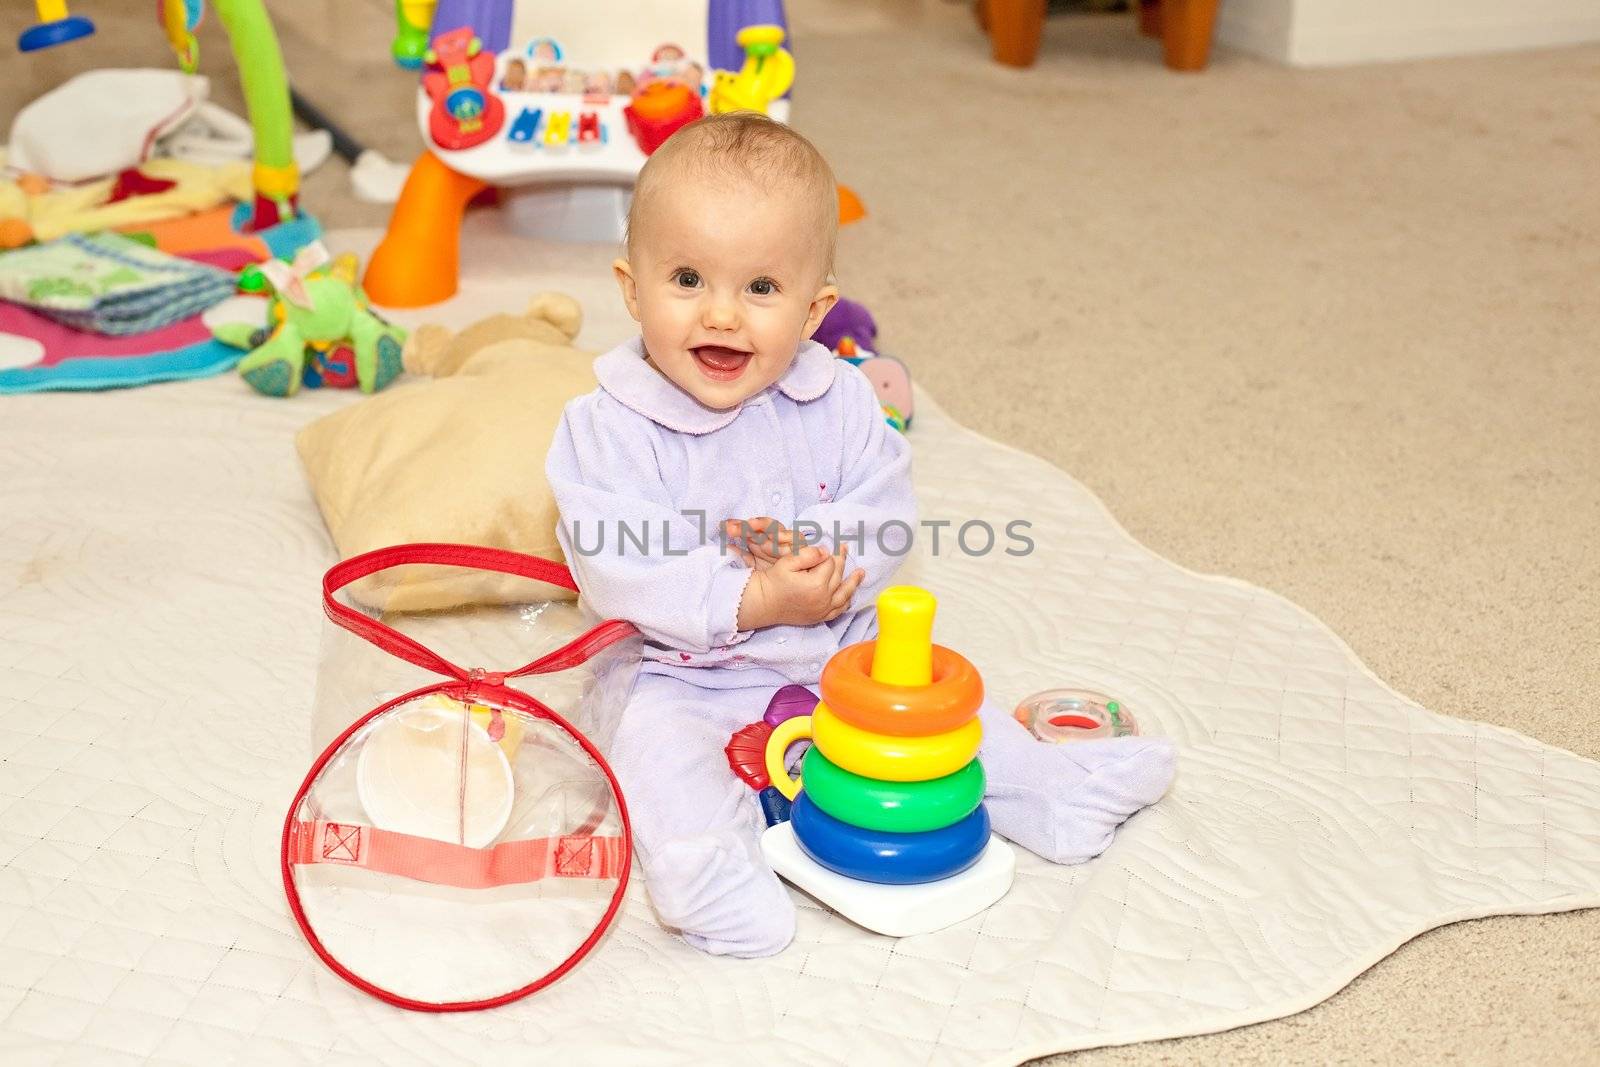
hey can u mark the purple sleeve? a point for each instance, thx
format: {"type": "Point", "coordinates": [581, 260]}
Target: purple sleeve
{"type": "Point", "coordinates": [634, 555]}
{"type": "Point", "coordinates": [874, 509]}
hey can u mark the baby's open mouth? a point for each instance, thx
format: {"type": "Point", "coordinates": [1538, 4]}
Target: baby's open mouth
{"type": "Point", "coordinates": [720, 364]}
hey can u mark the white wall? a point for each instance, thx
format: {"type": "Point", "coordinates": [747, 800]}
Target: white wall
{"type": "Point", "coordinates": [1312, 33]}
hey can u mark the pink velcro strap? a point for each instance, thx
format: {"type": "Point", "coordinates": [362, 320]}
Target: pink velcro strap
{"type": "Point", "coordinates": [442, 863]}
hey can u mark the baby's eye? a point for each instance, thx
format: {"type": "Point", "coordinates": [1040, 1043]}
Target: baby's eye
{"type": "Point", "coordinates": [763, 287]}
{"type": "Point", "coordinates": [688, 279]}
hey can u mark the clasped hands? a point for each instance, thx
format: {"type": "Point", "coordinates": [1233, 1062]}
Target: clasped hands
{"type": "Point", "coordinates": [795, 583]}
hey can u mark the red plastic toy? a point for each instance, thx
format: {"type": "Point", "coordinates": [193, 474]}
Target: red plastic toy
{"type": "Point", "coordinates": [658, 110]}
{"type": "Point", "coordinates": [588, 128]}
{"type": "Point", "coordinates": [465, 111]}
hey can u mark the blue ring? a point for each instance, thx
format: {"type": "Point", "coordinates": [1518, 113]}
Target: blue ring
{"type": "Point", "coordinates": [885, 857]}
{"type": "Point", "coordinates": [49, 34]}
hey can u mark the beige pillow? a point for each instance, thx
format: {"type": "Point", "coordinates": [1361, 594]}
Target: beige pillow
{"type": "Point", "coordinates": [457, 458]}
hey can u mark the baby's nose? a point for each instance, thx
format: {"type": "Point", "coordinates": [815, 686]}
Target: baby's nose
{"type": "Point", "coordinates": [720, 315]}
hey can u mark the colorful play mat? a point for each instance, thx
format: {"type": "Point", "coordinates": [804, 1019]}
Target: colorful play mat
{"type": "Point", "coordinates": [40, 352]}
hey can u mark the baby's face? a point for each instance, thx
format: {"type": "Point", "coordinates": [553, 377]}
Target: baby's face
{"type": "Point", "coordinates": [725, 281]}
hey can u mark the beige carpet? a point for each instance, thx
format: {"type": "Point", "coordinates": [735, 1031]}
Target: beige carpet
{"type": "Point", "coordinates": [1332, 332]}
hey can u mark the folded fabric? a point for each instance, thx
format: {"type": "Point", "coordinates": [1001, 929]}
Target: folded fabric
{"type": "Point", "coordinates": [202, 359]}
{"type": "Point", "coordinates": [60, 343]}
{"type": "Point", "coordinates": [38, 355]}
{"type": "Point", "coordinates": [102, 122]}
{"type": "Point", "coordinates": [90, 207]}
{"type": "Point", "coordinates": [213, 134]}
{"type": "Point", "coordinates": [111, 284]}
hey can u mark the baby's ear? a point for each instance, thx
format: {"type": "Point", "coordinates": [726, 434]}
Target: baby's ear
{"type": "Point", "coordinates": [629, 287]}
{"type": "Point", "coordinates": [821, 304]}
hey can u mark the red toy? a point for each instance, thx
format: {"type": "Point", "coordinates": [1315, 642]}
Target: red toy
{"type": "Point", "coordinates": [588, 128]}
{"type": "Point", "coordinates": [747, 754]}
{"type": "Point", "coordinates": [658, 110]}
{"type": "Point", "coordinates": [465, 111]}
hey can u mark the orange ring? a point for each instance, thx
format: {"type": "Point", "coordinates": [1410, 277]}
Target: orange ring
{"type": "Point", "coordinates": [945, 704]}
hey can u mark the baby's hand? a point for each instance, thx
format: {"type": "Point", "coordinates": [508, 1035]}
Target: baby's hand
{"type": "Point", "coordinates": [763, 540]}
{"type": "Point", "coordinates": [799, 590]}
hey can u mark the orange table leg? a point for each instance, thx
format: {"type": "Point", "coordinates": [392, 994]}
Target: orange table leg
{"type": "Point", "coordinates": [419, 260]}
{"type": "Point", "coordinates": [1186, 29]}
{"type": "Point", "coordinates": [1014, 30]}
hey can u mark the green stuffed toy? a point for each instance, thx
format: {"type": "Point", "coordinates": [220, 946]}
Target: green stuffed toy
{"type": "Point", "coordinates": [319, 329]}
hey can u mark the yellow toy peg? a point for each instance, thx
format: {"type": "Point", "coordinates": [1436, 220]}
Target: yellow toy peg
{"type": "Point", "coordinates": [904, 655]}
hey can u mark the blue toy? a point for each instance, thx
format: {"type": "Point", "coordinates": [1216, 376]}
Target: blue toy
{"type": "Point", "coordinates": [54, 27]}
{"type": "Point", "coordinates": [890, 858]}
{"type": "Point", "coordinates": [527, 124]}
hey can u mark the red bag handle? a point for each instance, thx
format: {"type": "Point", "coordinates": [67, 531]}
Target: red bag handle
{"type": "Point", "coordinates": [475, 557]}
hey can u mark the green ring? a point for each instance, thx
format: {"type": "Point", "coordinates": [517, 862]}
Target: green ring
{"type": "Point", "coordinates": [898, 807]}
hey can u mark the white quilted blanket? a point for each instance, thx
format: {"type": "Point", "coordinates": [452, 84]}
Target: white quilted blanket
{"type": "Point", "coordinates": [159, 560]}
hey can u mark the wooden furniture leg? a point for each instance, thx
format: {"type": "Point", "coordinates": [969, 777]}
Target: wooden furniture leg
{"type": "Point", "coordinates": [1150, 18]}
{"type": "Point", "coordinates": [1186, 28]}
{"type": "Point", "coordinates": [1014, 29]}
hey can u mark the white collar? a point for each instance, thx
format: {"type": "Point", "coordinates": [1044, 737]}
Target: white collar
{"type": "Point", "coordinates": [635, 384]}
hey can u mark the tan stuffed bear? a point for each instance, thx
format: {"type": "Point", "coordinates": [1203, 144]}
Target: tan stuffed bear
{"type": "Point", "coordinates": [553, 318]}
{"type": "Point", "coordinates": [457, 456]}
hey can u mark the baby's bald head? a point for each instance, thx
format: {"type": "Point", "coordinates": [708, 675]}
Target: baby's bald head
{"type": "Point", "coordinates": [738, 148]}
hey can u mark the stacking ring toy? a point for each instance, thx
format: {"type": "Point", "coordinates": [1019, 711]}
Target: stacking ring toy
{"type": "Point", "coordinates": [895, 859]}
{"type": "Point", "coordinates": [783, 735]}
{"type": "Point", "coordinates": [891, 758]}
{"type": "Point", "coordinates": [947, 702]}
{"type": "Point", "coordinates": [898, 807]}
{"type": "Point", "coordinates": [881, 756]}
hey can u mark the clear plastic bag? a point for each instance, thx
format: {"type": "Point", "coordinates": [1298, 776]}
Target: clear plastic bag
{"type": "Point", "coordinates": [459, 842]}
{"type": "Point", "coordinates": [354, 674]}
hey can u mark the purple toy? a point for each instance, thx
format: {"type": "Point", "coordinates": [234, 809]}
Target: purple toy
{"type": "Point", "coordinates": [788, 702]}
{"type": "Point", "coordinates": [724, 20]}
{"type": "Point", "coordinates": [489, 19]}
{"type": "Point", "coordinates": [847, 319]}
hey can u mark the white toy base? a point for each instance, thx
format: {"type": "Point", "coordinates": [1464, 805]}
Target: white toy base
{"type": "Point", "coordinates": [569, 212]}
{"type": "Point", "coordinates": [895, 910]}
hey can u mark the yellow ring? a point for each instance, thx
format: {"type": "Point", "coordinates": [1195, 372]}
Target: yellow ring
{"type": "Point", "coordinates": [763, 34]}
{"type": "Point", "coordinates": [785, 734]}
{"type": "Point", "coordinates": [277, 183]}
{"type": "Point", "coordinates": [889, 758]}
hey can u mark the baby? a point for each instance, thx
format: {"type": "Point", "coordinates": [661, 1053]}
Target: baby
{"type": "Point", "coordinates": [722, 418]}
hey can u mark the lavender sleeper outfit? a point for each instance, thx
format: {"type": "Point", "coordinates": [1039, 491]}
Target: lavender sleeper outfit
{"type": "Point", "coordinates": [813, 447]}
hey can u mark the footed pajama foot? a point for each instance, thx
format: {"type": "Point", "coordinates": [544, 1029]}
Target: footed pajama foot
{"type": "Point", "coordinates": [1065, 802]}
{"type": "Point", "coordinates": [717, 891]}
